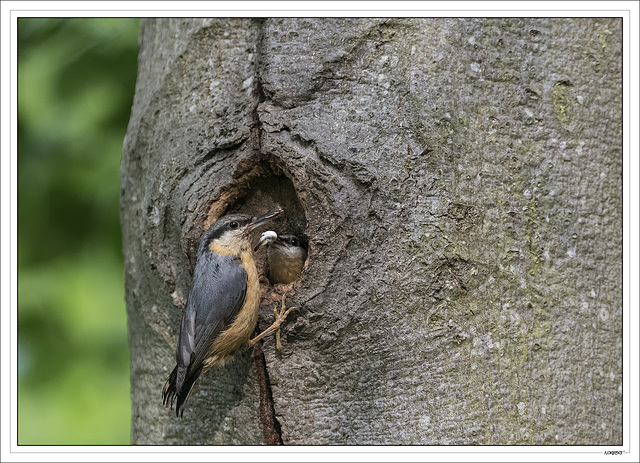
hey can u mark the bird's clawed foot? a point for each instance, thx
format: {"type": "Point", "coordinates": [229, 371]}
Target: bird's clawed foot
{"type": "Point", "coordinates": [281, 316]}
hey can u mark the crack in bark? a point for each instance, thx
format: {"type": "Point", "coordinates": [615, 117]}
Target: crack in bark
{"type": "Point", "coordinates": [270, 424]}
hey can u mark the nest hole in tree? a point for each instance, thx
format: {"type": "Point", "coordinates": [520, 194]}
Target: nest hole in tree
{"type": "Point", "coordinates": [260, 185]}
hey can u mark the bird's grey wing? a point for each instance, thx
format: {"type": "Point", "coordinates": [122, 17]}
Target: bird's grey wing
{"type": "Point", "coordinates": [216, 297]}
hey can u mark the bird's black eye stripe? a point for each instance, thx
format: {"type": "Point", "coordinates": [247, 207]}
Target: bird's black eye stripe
{"type": "Point", "coordinates": [234, 224]}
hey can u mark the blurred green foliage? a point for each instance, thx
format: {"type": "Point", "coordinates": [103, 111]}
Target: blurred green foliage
{"type": "Point", "coordinates": [76, 79]}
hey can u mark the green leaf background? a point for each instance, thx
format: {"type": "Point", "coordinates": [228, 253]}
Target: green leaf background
{"type": "Point", "coordinates": [76, 79]}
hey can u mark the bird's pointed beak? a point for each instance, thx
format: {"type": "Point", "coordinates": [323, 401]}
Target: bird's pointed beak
{"type": "Point", "coordinates": [263, 219]}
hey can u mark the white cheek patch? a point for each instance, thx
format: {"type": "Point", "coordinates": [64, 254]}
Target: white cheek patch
{"type": "Point", "coordinates": [228, 238]}
{"type": "Point", "coordinates": [292, 252]}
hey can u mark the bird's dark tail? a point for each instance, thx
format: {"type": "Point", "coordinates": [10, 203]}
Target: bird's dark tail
{"type": "Point", "coordinates": [179, 388]}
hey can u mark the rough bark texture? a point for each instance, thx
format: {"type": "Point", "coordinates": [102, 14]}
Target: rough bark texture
{"type": "Point", "coordinates": [460, 184]}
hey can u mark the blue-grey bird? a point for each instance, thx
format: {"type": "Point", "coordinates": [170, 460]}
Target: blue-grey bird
{"type": "Point", "coordinates": [222, 307]}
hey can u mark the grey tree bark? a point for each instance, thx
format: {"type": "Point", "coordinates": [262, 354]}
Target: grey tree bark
{"type": "Point", "coordinates": [460, 184]}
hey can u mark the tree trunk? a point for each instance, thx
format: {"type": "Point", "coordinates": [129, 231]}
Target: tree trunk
{"type": "Point", "coordinates": [460, 184]}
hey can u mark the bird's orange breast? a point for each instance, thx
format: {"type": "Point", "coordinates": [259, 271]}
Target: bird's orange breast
{"type": "Point", "coordinates": [241, 329]}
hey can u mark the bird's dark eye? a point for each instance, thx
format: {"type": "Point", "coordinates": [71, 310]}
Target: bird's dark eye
{"type": "Point", "coordinates": [233, 225]}
{"type": "Point", "coordinates": [294, 242]}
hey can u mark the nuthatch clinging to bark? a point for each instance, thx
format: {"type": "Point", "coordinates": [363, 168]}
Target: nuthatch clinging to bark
{"type": "Point", "coordinates": [222, 307]}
